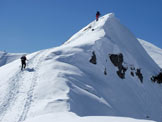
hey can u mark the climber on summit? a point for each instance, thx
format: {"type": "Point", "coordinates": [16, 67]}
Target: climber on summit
{"type": "Point", "coordinates": [97, 15]}
{"type": "Point", "coordinates": [23, 62]}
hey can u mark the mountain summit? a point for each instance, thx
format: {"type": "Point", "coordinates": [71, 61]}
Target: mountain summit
{"type": "Point", "coordinates": [100, 71]}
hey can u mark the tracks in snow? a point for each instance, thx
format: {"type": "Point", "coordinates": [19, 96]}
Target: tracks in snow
{"type": "Point", "coordinates": [19, 97]}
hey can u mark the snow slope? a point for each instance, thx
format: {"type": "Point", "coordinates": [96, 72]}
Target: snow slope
{"type": "Point", "coordinates": [71, 117]}
{"type": "Point", "coordinates": [6, 58]}
{"type": "Point", "coordinates": [62, 82]}
{"type": "Point", "coordinates": [153, 51]}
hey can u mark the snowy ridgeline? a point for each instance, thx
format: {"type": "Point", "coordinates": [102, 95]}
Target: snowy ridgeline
{"type": "Point", "coordinates": [153, 51]}
{"type": "Point", "coordinates": [101, 71]}
{"type": "Point", "coordinates": [6, 58]}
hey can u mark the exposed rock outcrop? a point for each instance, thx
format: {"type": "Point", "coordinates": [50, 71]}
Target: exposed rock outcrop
{"type": "Point", "coordinates": [157, 78]}
{"type": "Point", "coordinates": [93, 59]}
{"type": "Point", "coordinates": [105, 72]}
{"type": "Point", "coordinates": [132, 73]}
{"type": "Point", "coordinates": [139, 74]}
{"type": "Point", "coordinates": [117, 60]}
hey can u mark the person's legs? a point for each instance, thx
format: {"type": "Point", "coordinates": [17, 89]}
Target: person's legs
{"type": "Point", "coordinates": [21, 65]}
{"type": "Point", "coordinates": [96, 18]}
{"type": "Point", "coordinates": [24, 65]}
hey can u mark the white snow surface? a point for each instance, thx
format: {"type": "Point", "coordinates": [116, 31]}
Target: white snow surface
{"type": "Point", "coordinates": [153, 51]}
{"type": "Point", "coordinates": [60, 84]}
{"type": "Point", "coordinates": [71, 117]}
{"type": "Point", "coordinates": [6, 58]}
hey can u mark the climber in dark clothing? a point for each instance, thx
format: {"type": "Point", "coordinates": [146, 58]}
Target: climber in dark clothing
{"type": "Point", "coordinates": [97, 15]}
{"type": "Point", "coordinates": [23, 62]}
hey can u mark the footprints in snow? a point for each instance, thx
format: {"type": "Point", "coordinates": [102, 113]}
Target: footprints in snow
{"type": "Point", "coordinates": [19, 94]}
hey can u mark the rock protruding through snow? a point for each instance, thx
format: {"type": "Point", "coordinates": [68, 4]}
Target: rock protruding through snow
{"type": "Point", "coordinates": [117, 60]}
{"type": "Point", "coordinates": [157, 78]}
{"type": "Point", "coordinates": [93, 59]}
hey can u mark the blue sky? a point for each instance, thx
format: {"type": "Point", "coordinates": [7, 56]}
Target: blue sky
{"type": "Point", "coordinates": [32, 25]}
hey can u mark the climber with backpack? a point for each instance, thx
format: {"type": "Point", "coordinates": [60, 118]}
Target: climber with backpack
{"type": "Point", "coordinates": [23, 62]}
{"type": "Point", "coordinates": [97, 15]}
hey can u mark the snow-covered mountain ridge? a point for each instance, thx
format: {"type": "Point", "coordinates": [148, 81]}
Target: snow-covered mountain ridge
{"type": "Point", "coordinates": [100, 71]}
{"type": "Point", "coordinates": [153, 51]}
{"type": "Point", "coordinates": [6, 58]}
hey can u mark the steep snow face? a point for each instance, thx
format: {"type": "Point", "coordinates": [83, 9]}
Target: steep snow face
{"type": "Point", "coordinates": [111, 95]}
{"type": "Point", "coordinates": [101, 70]}
{"type": "Point", "coordinates": [6, 58]}
{"type": "Point", "coordinates": [89, 89]}
{"type": "Point", "coordinates": [153, 51]}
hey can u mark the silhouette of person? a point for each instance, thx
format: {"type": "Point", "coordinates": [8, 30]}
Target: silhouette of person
{"type": "Point", "coordinates": [97, 15]}
{"type": "Point", "coordinates": [23, 62]}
